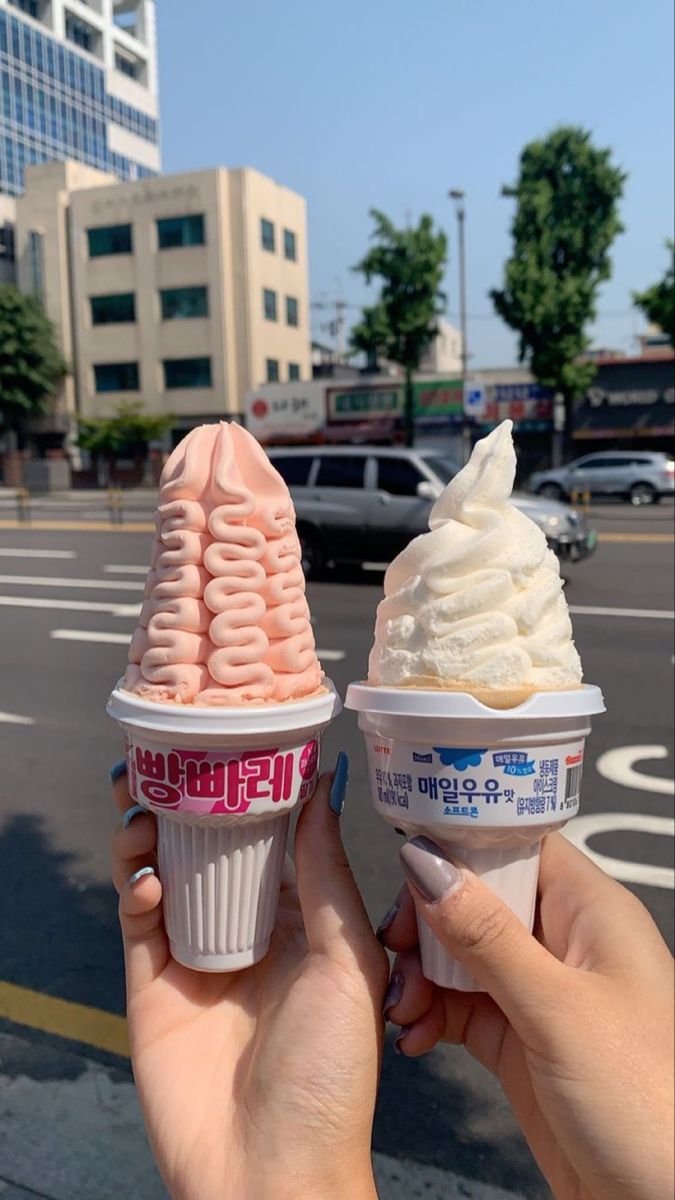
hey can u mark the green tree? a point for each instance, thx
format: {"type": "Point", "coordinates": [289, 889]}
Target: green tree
{"type": "Point", "coordinates": [126, 434]}
{"type": "Point", "coordinates": [31, 364]}
{"type": "Point", "coordinates": [410, 264]}
{"type": "Point", "coordinates": [658, 302]}
{"type": "Point", "coordinates": [565, 222]}
{"type": "Point", "coordinates": [369, 336]}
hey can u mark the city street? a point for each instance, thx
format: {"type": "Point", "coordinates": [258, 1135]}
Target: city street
{"type": "Point", "coordinates": [68, 601]}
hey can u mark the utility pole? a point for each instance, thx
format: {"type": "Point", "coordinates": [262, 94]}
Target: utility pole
{"type": "Point", "coordinates": [337, 325]}
{"type": "Point", "coordinates": [458, 196]}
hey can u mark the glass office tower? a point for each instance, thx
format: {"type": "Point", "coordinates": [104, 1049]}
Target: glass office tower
{"type": "Point", "coordinates": [78, 88]}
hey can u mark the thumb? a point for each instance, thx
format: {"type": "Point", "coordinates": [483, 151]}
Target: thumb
{"type": "Point", "coordinates": [484, 935]}
{"type": "Point", "coordinates": [333, 912]}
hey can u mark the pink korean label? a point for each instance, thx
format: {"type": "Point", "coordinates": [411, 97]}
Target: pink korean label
{"type": "Point", "coordinates": [204, 782]}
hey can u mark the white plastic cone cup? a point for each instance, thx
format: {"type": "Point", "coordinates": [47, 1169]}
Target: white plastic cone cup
{"type": "Point", "coordinates": [222, 783]}
{"type": "Point", "coordinates": [487, 784]}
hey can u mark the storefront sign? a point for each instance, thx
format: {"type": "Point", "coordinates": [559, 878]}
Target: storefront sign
{"type": "Point", "coordinates": [629, 398]}
{"type": "Point", "coordinates": [354, 404]}
{"type": "Point", "coordinates": [285, 410]}
{"type": "Point", "coordinates": [528, 405]}
{"type": "Point", "coordinates": [438, 397]}
{"type": "Point", "coordinates": [475, 399]}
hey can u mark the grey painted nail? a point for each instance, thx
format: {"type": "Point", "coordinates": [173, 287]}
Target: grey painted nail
{"type": "Point", "coordinates": [387, 920]}
{"type": "Point", "coordinates": [394, 994]}
{"type": "Point", "coordinates": [404, 1031]}
{"type": "Point", "coordinates": [429, 871]}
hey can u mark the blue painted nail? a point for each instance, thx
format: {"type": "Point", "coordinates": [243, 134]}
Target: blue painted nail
{"type": "Point", "coordinates": [338, 788]}
{"type": "Point", "coordinates": [394, 994]}
{"type": "Point", "coordinates": [129, 815]}
{"type": "Point", "coordinates": [140, 874]}
{"type": "Point", "coordinates": [119, 769]}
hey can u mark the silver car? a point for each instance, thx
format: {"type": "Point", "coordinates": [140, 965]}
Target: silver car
{"type": "Point", "coordinates": [364, 503]}
{"type": "Point", "coordinates": [641, 476]}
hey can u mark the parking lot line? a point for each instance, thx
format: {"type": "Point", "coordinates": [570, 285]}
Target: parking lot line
{"type": "Point", "coordinates": [64, 1018]}
{"type": "Point", "coordinates": [665, 538]}
{"type": "Point", "coordinates": [81, 526]}
{"type": "Point", "coordinates": [90, 635]}
{"type": "Point", "coordinates": [118, 569]}
{"type": "Point", "coordinates": [122, 585]}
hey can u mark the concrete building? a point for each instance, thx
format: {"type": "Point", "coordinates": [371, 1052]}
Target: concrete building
{"type": "Point", "coordinates": [444, 356]}
{"type": "Point", "coordinates": [7, 219]}
{"type": "Point", "coordinates": [78, 80]}
{"type": "Point", "coordinates": [181, 292]}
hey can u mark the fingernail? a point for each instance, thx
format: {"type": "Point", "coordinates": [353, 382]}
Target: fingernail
{"type": "Point", "coordinates": [129, 815]}
{"type": "Point", "coordinates": [387, 920]}
{"type": "Point", "coordinates": [393, 994]}
{"type": "Point", "coordinates": [140, 875]}
{"type": "Point", "coordinates": [119, 769]}
{"type": "Point", "coordinates": [338, 788]}
{"type": "Point", "coordinates": [405, 1030]}
{"type": "Point", "coordinates": [429, 870]}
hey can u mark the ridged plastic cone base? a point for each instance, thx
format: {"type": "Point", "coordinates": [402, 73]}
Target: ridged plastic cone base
{"type": "Point", "coordinates": [221, 888]}
{"type": "Point", "coordinates": [511, 873]}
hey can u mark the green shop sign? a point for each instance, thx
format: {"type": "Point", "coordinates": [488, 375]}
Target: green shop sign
{"type": "Point", "coordinates": [438, 397]}
{"type": "Point", "coordinates": [365, 402]}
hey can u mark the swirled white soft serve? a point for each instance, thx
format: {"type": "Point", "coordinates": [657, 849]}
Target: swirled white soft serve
{"type": "Point", "coordinates": [476, 604]}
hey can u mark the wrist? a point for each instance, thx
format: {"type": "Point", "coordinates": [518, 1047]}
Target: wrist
{"type": "Point", "coordinates": [356, 1184]}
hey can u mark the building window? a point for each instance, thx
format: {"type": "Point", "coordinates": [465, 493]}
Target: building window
{"type": "Point", "coordinates": [117, 377]}
{"type": "Point", "coordinates": [187, 373]}
{"type": "Point", "coordinates": [80, 34]}
{"type": "Point", "coordinates": [183, 302]}
{"type": "Point", "coordinates": [291, 311]}
{"type": "Point", "coordinates": [116, 309]}
{"type": "Point", "coordinates": [290, 246]}
{"type": "Point", "coordinates": [293, 371]}
{"type": "Point", "coordinates": [272, 366]}
{"type": "Point", "coordinates": [269, 304]}
{"type": "Point", "coordinates": [109, 239]}
{"type": "Point", "coordinates": [27, 6]}
{"type": "Point", "coordinates": [180, 231]}
{"type": "Point", "coordinates": [36, 253]}
{"type": "Point", "coordinates": [267, 234]}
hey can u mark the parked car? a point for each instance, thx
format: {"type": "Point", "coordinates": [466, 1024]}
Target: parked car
{"type": "Point", "coordinates": [642, 477]}
{"type": "Point", "coordinates": [364, 503]}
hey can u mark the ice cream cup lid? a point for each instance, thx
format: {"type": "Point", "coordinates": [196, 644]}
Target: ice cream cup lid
{"type": "Point", "coordinates": [582, 701]}
{"type": "Point", "coordinates": [311, 712]}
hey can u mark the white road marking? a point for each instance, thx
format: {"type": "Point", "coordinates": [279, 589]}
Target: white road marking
{"type": "Point", "coordinates": [617, 766]}
{"type": "Point", "coordinates": [48, 581]}
{"type": "Point", "coordinates": [116, 568]}
{"type": "Point", "coordinates": [658, 614]}
{"type": "Point", "coordinates": [15, 719]}
{"type": "Point", "coordinates": [374, 566]}
{"type": "Point", "coordinates": [90, 635]}
{"type": "Point", "coordinates": [117, 610]}
{"type": "Point", "coordinates": [581, 828]}
{"type": "Point", "coordinates": [330, 655]}
{"type": "Point", "coordinates": [6, 553]}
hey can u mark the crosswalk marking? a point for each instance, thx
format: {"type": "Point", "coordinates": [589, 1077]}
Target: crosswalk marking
{"type": "Point", "coordinates": [658, 614]}
{"type": "Point", "coordinates": [89, 635]}
{"type": "Point", "coordinates": [7, 553]}
{"type": "Point", "coordinates": [122, 585]}
{"type": "Point", "coordinates": [117, 610]}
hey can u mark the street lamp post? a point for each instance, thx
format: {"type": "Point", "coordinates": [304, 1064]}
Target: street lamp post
{"type": "Point", "coordinates": [458, 196]}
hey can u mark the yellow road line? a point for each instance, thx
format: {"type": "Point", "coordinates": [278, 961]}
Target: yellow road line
{"type": "Point", "coordinates": [103, 1030]}
{"type": "Point", "coordinates": [84, 526]}
{"type": "Point", "coordinates": [660, 538]}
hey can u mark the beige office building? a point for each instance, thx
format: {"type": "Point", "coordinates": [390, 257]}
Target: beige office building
{"type": "Point", "coordinates": [182, 292]}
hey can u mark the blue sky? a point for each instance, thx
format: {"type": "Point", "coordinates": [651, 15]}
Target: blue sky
{"type": "Point", "coordinates": [388, 103]}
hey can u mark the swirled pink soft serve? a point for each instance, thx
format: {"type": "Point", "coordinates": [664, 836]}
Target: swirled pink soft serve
{"type": "Point", "coordinates": [225, 619]}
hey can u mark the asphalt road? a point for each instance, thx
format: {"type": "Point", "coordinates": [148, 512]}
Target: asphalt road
{"type": "Point", "coordinates": [55, 813]}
